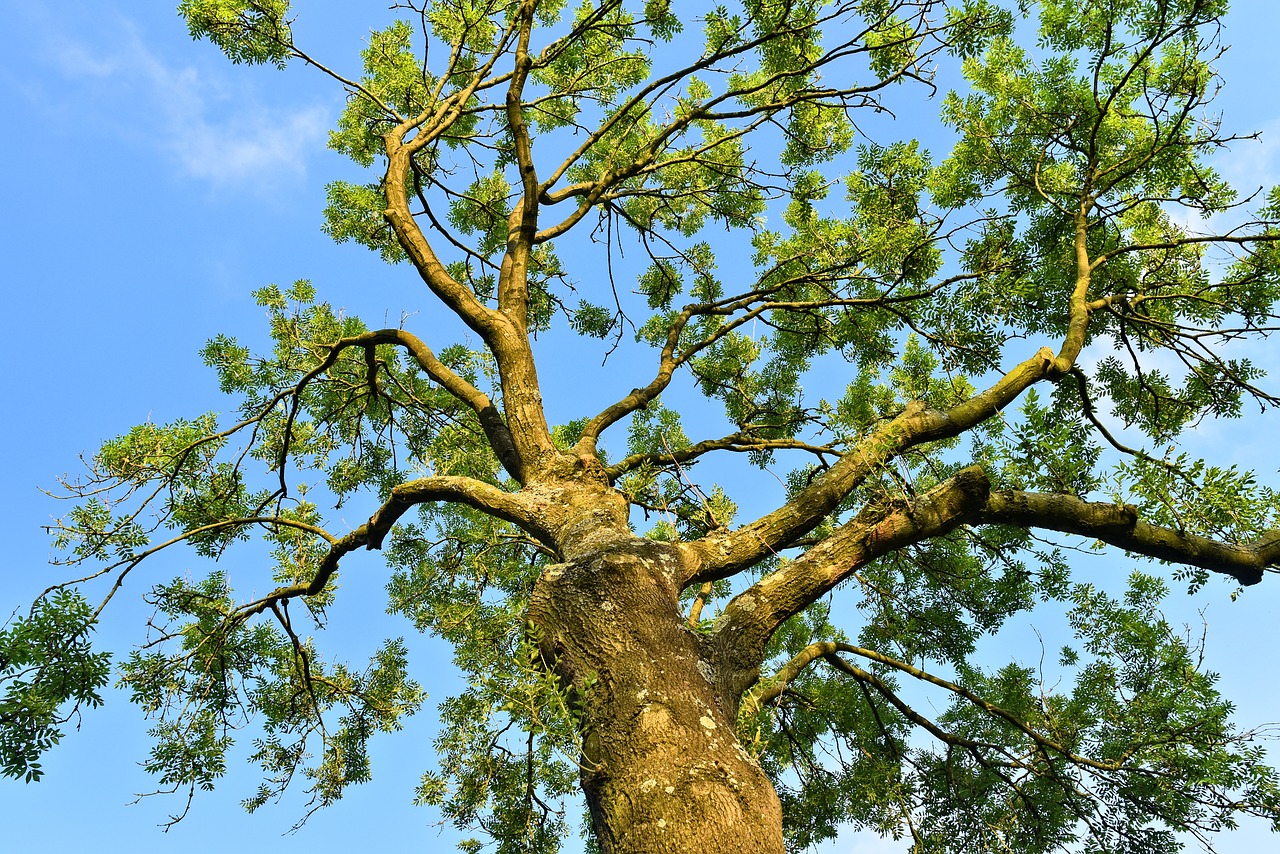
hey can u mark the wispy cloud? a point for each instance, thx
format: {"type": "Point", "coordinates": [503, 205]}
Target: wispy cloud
{"type": "Point", "coordinates": [207, 126]}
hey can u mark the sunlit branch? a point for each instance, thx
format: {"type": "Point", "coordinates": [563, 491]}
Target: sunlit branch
{"type": "Point", "coordinates": [752, 616]}
{"type": "Point", "coordinates": [658, 86]}
{"type": "Point", "coordinates": [429, 126]}
{"type": "Point", "coordinates": [522, 226]}
{"type": "Point", "coordinates": [601, 192]}
{"type": "Point", "coordinates": [370, 535]}
{"type": "Point", "coordinates": [720, 555]}
{"type": "Point", "coordinates": [756, 305]}
{"type": "Point", "coordinates": [447, 234]}
{"type": "Point", "coordinates": [1120, 525]}
{"type": "Point", "coordinates": [1102, 106]}
{"type": "Point", "coordinates": [699, 602]}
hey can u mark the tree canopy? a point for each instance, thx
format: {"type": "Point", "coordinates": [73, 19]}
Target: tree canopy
{"type": "Point", "coordinates": [956, 362]}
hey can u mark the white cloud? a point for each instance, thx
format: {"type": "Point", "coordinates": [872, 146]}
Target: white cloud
{"type": "Point", "coordinates": [207, 126]}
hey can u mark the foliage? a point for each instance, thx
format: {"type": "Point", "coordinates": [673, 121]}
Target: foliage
{"type": "Point", "coordinates": [48, 672]}
{"type": "Point", "coordinates": [708, 194]}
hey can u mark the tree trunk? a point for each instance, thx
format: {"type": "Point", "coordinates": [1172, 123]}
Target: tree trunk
{"type": "Point", "coordinates": [663, 770]}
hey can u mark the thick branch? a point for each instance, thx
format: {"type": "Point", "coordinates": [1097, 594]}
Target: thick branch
{"type": "Point", "coordinates": [751, 617]}
{"type": "Point", "coordinates": [507, 340]}
{"type": "Point", "coordinates": [490, 419]}
{"type": "Point", "coordinates": [456, 296]}
{"type": "Point", "coordinates": [513, 279]}
{"type": "Point", "coordinates": [1078, 306]}
{"type": "Point", "coordinates": [1120, 526]}
{"type": "Point", "coordinates": [427, 128]}
{"type": "Point", "coordinates": [719, 555]}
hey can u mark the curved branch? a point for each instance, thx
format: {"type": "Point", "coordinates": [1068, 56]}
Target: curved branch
{"type": "Point", "coordinates": [495, 430]}
{"type": "Point", "coordinates": [460, 490]}
{"type": "Point", "coordinates": [721, 554]}
{"type": "Point", "coordinates": [505, 336]}
{"type": "Point", "coordinates": [643, 102]}
{"type": "Point", "coordinates": [768, 692]}
{"type": "Point", "coordinates": [481, 319]}
{"type": "Point", "coordinates": [353, 86]}
{"type": "Point", "coordinates": [428, 127]}
{"type": "Point", "coordinates": [751, 617]}
{"type": "Point", "coordinates": [755, 304]}
{"type": "Point", "coordinates": [127, 564]}
{"type": "Point", "coordinates": [1241, 240]}
{"type": "Point", "coordinates": [513, 285]}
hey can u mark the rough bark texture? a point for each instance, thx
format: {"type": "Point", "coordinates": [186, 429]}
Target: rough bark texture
{"type": "Point", "coordinates": [663, 770]}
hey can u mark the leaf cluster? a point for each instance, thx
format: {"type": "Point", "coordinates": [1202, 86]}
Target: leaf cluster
{"type": "Point", "coordinates": [48, 672]}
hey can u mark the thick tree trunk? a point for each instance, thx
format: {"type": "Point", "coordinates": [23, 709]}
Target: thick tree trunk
{"type": "Point", "coordinates": [663, 768]}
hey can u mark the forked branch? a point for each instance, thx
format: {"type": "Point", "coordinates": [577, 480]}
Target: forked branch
{"type": "Point", "coordinates": [750, 619]}
{"type": "Point", "coordinates": [720, 555]}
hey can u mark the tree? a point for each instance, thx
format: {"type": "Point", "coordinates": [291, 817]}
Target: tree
{"type": "Point", "coordinates": [622, 633]}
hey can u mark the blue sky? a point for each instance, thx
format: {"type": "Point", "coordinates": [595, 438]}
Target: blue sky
{"type": "Point", "coordinates": [149, 186]}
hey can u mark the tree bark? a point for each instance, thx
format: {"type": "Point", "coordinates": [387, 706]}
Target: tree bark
{"type": "Point", "coordinates": [663, 770]}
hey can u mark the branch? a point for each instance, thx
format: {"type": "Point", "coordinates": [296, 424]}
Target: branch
{"type": "Point", "coordinates": [506, 339]}
{"type": "Point", "coordinates": [769, 691]}
{"type": "Point", "coordinates": [460, 490]}
{"type": "Point", "coordinates": [127, 564]}
{"type": "Point", "coordinates": [1242, 240]}
{"type": "Point", "coordinates": [484, 321]}
{"type": "Point", "coordinates": [428, 127]}
{"type": "Point", "coordinates": [722, 554]}
{"type": "Point", "coordinates": [495, 430]}
{"type": "Point", "coordinates": [751, 617]}
{"type": "Point", "coordinates": [1078, 304]}
{"type": "Point", "coordinates": [643, 102]}
{"type": "Point", "coordinates": [513, 284]}
{"type": "Point", "coordinates": [1119, 525]}
{"type": "Point", "coordinates": [740, 442]}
